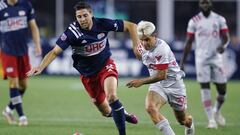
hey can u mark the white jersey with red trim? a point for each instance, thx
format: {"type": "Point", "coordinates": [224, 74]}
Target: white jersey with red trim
{"type": "Point", "coordinates": [207, 33]}
{"type": "Point", "coordinates": [159, 58]}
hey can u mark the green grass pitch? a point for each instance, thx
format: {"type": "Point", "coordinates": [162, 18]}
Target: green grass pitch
{"type": "Point", "coordinates": [60, 106]}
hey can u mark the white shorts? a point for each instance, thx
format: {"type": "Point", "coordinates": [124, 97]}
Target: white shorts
{"type": "Point", "coordinates": [174, 92]}
{"type": "Point", "coordinates": [210, 70]}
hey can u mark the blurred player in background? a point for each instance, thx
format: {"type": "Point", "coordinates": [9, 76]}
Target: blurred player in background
{"type": "Point", "coordinates": [210, 32]}
{"type": "Point", "coordinates": [166, 83]}
{"type": "Point", "coordinates": [16, 16]}
{"type": "Point", "coordinates": [88, 39]}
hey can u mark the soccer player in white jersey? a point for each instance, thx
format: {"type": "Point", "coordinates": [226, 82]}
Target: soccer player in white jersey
{"type": "Point", "coordinates": [211, 35]}
{"type": "Point", "coordinates": [166, 83]}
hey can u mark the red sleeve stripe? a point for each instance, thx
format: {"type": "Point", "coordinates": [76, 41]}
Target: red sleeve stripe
{"type": "Point", "coordinates": [224, 30]}
{"type": "Point", "coordinates": [161, 66]}
{"type": "Point", "coordinates": [190, 34]}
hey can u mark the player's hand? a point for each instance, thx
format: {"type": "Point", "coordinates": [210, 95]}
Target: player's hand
{"type": "Point", "coordinates": [34, 71]}
{"type": "Point", "coordinates": [38, 50]}
{"type": "Point", "coordinates": [221, 49]}
{"type": "Point", "coordinates": [134, 83]}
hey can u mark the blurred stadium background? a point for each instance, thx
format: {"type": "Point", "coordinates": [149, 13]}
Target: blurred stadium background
{"type": "Point", "coordinates": [53, 102]}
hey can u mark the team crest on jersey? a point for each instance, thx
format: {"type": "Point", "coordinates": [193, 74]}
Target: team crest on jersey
{"type": "Point", "coordinates": [215, 26]}
{"type": "Point", "coordinates": [21, 13]}
{"type": "Point", "coordinates": [158, 57]}
{"type": "Point", "coordinates": [101, 35]}
{"type": "Point", "coordinates": [63, 37]}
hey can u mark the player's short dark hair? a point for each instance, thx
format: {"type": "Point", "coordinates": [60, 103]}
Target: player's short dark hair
{"type": "Point", "coordinates": [82, 5]}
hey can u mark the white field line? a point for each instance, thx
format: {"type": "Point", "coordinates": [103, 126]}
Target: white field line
{"type": "Point", "coordinates": [82, 120]}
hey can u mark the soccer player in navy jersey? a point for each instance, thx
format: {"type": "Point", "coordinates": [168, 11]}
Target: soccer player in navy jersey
{"type": "Point", "coordinates": [87, 37]}
{"type": "Point", "coordinates": [16, 16]}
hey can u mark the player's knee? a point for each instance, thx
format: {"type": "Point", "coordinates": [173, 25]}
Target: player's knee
{"type": "Point", "coordinates": [151, 109]}
{"type": "Point", "coordinates": [222, 92]}
{"type": "Point", "coordinates": [22, 87]}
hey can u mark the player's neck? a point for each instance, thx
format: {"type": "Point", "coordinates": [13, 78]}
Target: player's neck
{"type": "Point", "coordinates": [206, 13]}
{"type": "Point", "coordinates": [12, 2]}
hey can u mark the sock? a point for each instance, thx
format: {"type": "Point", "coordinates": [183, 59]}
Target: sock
{"type": "Point", "coordinates": [207, 103]}
{"type": "Point", "coordinates": [219, 102]}
{"type": "Point", "coordinates": [16, 100]}
{"type": "Point", "coordinates": [165, 127]}
{"type": "Point", "coordinates": [10, 105]}
{"type": "Point", "coordinates": [110, 114]}
{"type": "Point", "coordinates": [118, 116]}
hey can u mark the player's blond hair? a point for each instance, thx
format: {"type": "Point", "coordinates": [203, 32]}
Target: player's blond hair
{"type": "Point", "coordinates": [145, 28]}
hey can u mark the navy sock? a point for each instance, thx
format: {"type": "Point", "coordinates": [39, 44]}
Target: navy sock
{"type": "Point", "coordinates": [10, 105]}
{"type": "Point", "coordinates": [16, 100]}
{"type": "Point", "coordinates": [119, 116]}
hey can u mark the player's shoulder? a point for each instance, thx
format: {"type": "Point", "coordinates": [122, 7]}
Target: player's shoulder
{"type": "Point", "coordinates": [73, 30]}
{"type": "Point", "coordinates": [25, 3]}
{"type": "Point", "coordinates": [217, 16]}
{"type": "Point", "coordinates": [162, 46]}
{"type": "Point", "coordinates": [196, 18]}
{"type": "Point", "coordinates": [102, 20]}
{"type": "Point", "coordinates": [3, 5]}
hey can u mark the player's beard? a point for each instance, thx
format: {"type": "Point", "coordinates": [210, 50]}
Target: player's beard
{"type": "Point", "coordinates": [207, 11]}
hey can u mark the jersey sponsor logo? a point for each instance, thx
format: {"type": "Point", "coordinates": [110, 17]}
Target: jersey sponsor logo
{"type": "Point", "coordinates": [213, 33]}
{"type": "Point", "coordinates": [13, 24]}
{"type": "Point", "coordinates": [90, 49]}
{"type": "Point", "coordinates": [94, 47]}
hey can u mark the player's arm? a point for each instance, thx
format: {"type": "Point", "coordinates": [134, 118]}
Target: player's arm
{"type": "Point", "coordinates": [225, 36]}
{"type": "Point", "coordinates": [48, 58]}
{"type": "Point", "coordinates": [132, 29]}
{"type": "Point", "coordinates": [36, 36]}
{"type": "Point", "coordinates": [161, 75]}
{"type": "Point", "coordinates": [187, 49]}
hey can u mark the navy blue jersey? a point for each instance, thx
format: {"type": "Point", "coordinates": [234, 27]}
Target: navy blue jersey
{"type": "Point", "coordinates": [14, 26]}
{"type": "Point", "coordinates": [90, 48]}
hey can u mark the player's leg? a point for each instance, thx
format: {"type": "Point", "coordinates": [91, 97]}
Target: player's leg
{"type": "Point", "coordinates": [220, 80]}
{"type": "Point", "coordinates": [110, 87]}
{"type": "Point", "coordinates": [22, 88]}
{"type": "Point", "coordinates": [184, 119]}
{"type": "Point", "coordinates": [10, 66]}
{"type": "Point", "coordinates": [221, 90]}
{"type": "Point", "coordinates": [204, 78]}
{"type": "Point", "coordinates": [207, 104]}
{"type": "Point", "coordinates": [106, 111]}
{"type": "Point", "coordinates": [15, 97]}
{"type": "Point", "coordinates": [153, 104]}
{"type": "Point", "coordinates": [177, 99]}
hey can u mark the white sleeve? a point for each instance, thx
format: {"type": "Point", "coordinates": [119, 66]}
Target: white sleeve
{"type": "Point", "coordinates": [223, 23]}
{"type": "Point", "coordinates": [191, 27]}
